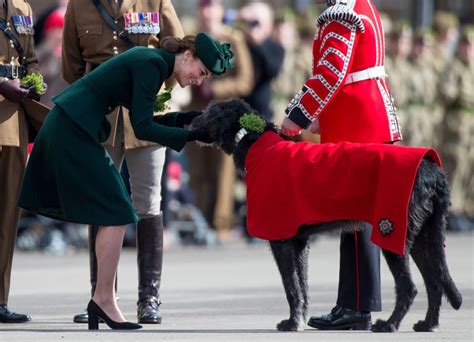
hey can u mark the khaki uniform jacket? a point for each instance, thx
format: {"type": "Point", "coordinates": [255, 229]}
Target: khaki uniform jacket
{"type": "Point", "coordinates": [456, 93]}
{"type": "Point", "coordinates": [9, 111]}
{"type": "Point", "coordinates": [88, 41]}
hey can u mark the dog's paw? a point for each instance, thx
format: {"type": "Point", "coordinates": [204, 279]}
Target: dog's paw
{"type": "Point", "coordinates": [290, 325]}
{"type": "Point", "coordinates": [383, 326]}
{"type": "Point", "coordinates": [423, 326]}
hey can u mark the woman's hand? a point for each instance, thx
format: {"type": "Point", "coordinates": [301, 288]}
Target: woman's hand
{"type": "Point", "coordinates": [200, 135]}
{"type": "Point", "coordinates": [185, 118]}
{"type": "Point", "coordinates": [289, 128]}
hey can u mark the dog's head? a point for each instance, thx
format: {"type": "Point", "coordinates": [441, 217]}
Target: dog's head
{"type": "Point", "coordinates": [222, 121]}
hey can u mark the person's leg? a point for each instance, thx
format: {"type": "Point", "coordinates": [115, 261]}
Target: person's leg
{"type": "Point", "coordinates": [12, 167]}
{"type": "Point", "coordinates": [359, 284]}
{"type": "Point", "coordinates": [108, 247]}
{"type": "Point", "coordinates": [10, 179]}
{"type": "Point", "coordinates": [359, 272]}
{"type": "Point", "coordinates": [116, 153]}
{"type": "Point", "coordinates": [202, 178]}
{"type": "Point", "coordinates": [145, 167]}
{"type": "Point", "coordinates": [224, 205]}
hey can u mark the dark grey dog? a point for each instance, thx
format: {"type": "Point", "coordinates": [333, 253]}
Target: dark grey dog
{"type": "Point", "coordinates": [428, 209]}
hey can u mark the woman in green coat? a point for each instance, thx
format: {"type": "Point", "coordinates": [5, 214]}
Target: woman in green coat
{"type": "Point", "coordinates": [71, 177]}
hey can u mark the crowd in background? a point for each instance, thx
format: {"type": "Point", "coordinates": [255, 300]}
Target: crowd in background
{"type": "Point", "coordinates": [431, 74]}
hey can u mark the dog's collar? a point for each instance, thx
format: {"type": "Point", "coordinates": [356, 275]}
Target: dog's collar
{"type": "Point", "coordinates": [240, 135]}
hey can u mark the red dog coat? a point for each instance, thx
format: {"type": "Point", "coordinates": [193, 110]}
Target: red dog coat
{"type": "Point", "coordinates": [291, 184]}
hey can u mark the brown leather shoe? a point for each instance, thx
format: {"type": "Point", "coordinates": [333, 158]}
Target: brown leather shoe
{"type": "Point", "coordinates": [6, 316]}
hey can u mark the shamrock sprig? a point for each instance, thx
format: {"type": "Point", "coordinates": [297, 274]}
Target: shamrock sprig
{"type": "Point", "coordinates": [160, 101]}
{"type": "Point", "coordinates": [35, 80]}
{"type": "Point", "coordinates": [252, 122]}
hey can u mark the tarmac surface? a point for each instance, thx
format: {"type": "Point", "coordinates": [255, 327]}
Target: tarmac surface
{"type": "Point", "coordinates": [229, 293]}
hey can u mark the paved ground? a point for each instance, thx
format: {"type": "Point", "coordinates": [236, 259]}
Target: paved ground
{"type": "Point", "coordinates": [229, 293]}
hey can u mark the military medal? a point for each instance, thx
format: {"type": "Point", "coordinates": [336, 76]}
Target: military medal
{"type": "Point", "coordinates": [141, 22]}
{"type": "Point", "coordinates": [23, 24]}
{"type": "Point", "coordinates": [134, 23]}
{"type": "Point", "coordinates": [127, 17]}
{"type": "Point", "coordinates": [29, 24]}
{"type": "Point", "coordinates": [155, 20]}
{"type": "Point", "coordinates": [18, 24]}
{"type": "Point", "coordinates": [145, 28]}
{"type": "Point", "coordinates": [149, 23]}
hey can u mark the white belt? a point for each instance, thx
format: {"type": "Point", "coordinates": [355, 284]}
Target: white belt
{"type": "Point", "coordinates": [366, 74]}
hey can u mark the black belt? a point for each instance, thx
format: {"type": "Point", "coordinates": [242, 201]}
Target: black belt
{"type": "Point", "coordinates": [12, 71]}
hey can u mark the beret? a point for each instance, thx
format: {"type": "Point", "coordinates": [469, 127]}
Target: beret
{"type": "Point", "coordinates": [214, 55]}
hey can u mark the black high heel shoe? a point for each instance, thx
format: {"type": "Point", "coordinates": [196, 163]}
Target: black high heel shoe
{"type": "Point", "coordinates": [95, 312]}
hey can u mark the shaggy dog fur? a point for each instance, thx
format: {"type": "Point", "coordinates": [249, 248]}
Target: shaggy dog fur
{"type": "Point", "coordinates": [425, 237]}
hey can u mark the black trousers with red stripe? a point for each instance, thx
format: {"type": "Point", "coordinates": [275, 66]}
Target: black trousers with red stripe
{"type": "Point", "coordinates": [359, 272]}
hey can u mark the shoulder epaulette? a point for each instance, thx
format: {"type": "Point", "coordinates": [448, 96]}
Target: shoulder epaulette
{"type": "Point", "coordinates": [341, 12]}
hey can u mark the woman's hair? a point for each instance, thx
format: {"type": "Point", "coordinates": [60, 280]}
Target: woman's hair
{"type": "Point", "coordinates": [178, 45]}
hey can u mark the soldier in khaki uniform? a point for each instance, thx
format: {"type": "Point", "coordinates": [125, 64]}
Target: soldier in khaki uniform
{"type": "Point", "coordinates": [89, 41]}
{"type": "Point", "coordinates": [457, 89]}
{"type": "Point", "coordinates": [446, 29]}
{"type": "Point", "coordinates": [212, 172]}
{"type": "Point", "coordinates": [398, 68]}
{"type": "Point", "coordinates": [15, 118]}
{"type": "Point", "coordinates": [424, 110]}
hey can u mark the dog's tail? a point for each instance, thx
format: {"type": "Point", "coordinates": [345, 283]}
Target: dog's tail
{"type": "Point", "coordinates": [442, 203]}
{"type": "Point", "coordinates": [452, 293]}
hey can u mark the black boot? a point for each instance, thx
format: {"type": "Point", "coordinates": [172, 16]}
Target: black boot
{"type": "Point", "coordinates": [6, 316]}
{"type": "Point", "coordinates": [150, 260]}
{"type": "Point", "coordinates": [83, 317]}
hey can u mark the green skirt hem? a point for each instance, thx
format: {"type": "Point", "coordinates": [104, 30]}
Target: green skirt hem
{"type": "Point", "coordinates": [56, 214]}
{"type": "Point", "coordinates": [70, 177]}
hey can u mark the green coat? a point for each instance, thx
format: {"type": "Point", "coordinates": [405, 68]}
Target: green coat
{"type": "Point", "coordinates": [70, 176]}
{"type": "Point", "coordinates": [131, 79]}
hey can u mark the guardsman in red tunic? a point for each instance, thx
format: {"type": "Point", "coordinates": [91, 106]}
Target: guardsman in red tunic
{"type": "Point", "coordinates": [348, 99]}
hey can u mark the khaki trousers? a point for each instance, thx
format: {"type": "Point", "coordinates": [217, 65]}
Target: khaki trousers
{"type": "Point", "coordinates": [459, 163]}
{"type": "Point", "coordinates": [145, 166]}
{"type": "Point", "coordinates": [12, 167]}
{"type": "Point", "coordinates": [212, 179]}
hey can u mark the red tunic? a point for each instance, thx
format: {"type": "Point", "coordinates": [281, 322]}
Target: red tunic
{"type": "Point", "coordinates": [350, 39]}
{"type": "Point", "coordinates": [291, 184]}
